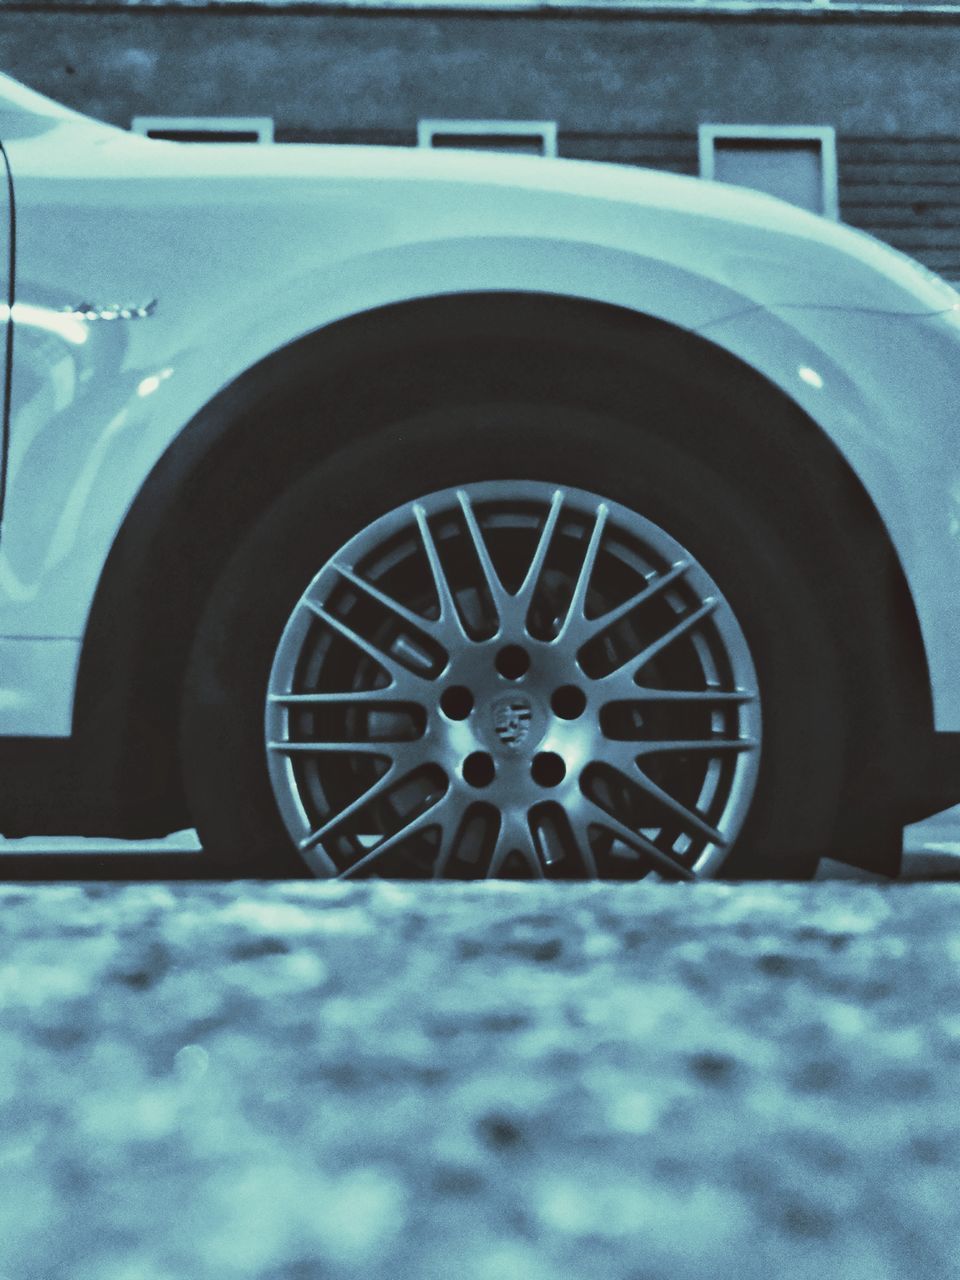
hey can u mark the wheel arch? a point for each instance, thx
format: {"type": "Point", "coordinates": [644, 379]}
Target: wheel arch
{"type": "Point", "coordinates": [231, 460]}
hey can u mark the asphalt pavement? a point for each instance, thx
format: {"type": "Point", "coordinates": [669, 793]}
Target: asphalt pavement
{"type": "Point", "coordinates": [314, 1081]}
{"type": "Point", "coordinates": [309, 1081]}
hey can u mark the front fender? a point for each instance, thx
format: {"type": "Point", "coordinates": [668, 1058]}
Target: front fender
{"type": "Point", "coordinates": [891, 411]}
{"type": "Point", "coordinates": [96, 403]}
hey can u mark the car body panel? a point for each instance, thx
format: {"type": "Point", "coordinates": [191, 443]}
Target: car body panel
{"type": "Point", "coordinates": [891, 408]}
{"type": "Point", "coordinates": [37, 686]}
{"type": "Point", "coordinates": [151, 275]}
{"type": "Point", "coordinates": [6, 298]}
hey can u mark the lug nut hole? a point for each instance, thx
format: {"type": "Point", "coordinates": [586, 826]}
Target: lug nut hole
{"type": "Point", "coordinates": [548, 769]}
{"type": "Point", "coordinates": [568, 702]}
{"type": "Point", "coordinates": [512, 661]}
{"type": "Point", "coordinates": [479, 769]}
{"type": "Point", "coordinates": [456, 703]}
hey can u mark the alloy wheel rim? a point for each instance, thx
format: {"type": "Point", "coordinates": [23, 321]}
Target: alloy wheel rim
{"type": "Point", "coordinates": [516, 679]}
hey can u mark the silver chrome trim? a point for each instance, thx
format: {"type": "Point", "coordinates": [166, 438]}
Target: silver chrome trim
{"type": "Point", "coordinates": [91, 311]}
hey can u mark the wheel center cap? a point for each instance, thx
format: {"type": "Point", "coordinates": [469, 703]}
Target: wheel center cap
{"type": "Point", "coordinates": [515, 722]}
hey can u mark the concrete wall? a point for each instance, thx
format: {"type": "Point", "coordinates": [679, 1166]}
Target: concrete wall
{"type": "Point", "coordinates": [631, 86]}
{"type": "Point", "coordinates": [375, 69]}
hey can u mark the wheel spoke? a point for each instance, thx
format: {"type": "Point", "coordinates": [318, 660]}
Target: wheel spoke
{"type": "Point", "coordinates": [450, 823]}
{"type": "Point", "coordinates": [596, 626]}
{"type": "Point", "coordinates": [580, 830]}
{"type": "Point", "coordinates": [396, 752]}
{"type": "Point", "coordinates": [663, 861]}
{"type": "Point", "coordinates": [400, 676]}
{"type": "Point", "coordinates": [389, 779]}
{"type": "Point", "coordinates": [449, 621]}
{"type": "Point", "coordinates": [515, 836]}
{"type": "Point", "coordinates": [642, 694]}
{"type": "Point", "coordinates": [426, 625]}
{"type": "Point", "coordinates": [532, 577]}
{"type": "Point", "coordinates": [625, 765]}
{"type": "Point", "coordinates": [632, 667]}
{"type": "Point", "coordinates": [448, 834]}
{"type": "Point", "coordinates": [383, 698]}
{"type": "Point", "coordinates": [425, 819]}
{"type": "Point", "coordinates": [576, 612]}
{"type": "Point", "coordinates": [512, 607]}
{"type": "Point", "coordinates": [693, 744]}
{"type": "Point", "coordinates": [498, 592]}
{"type": "Point", "coordinates": [331, 748]}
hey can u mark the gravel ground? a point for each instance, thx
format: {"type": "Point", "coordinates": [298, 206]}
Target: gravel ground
{"type": "Point", "coordinates": [497, 1082]}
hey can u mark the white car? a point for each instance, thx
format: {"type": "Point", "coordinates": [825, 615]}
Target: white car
{"type": "Point", "coordinates": [401, 513]}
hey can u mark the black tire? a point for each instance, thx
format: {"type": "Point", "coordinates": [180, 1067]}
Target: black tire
{"type": "Point", "coordinates": [761, 572]}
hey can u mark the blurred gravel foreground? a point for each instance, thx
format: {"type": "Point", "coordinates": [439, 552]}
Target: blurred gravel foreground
{"type": "Point", "coordinates": [493, 1082]}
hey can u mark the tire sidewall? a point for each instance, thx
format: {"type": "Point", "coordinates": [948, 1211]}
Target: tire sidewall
{"type": "Point", "coordinates": [764, 579]}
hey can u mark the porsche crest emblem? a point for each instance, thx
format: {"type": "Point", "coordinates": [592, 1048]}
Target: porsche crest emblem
{"type": "Point", "coordinates": [511, 720]}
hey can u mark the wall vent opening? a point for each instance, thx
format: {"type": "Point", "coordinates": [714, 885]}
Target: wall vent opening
{"type": "Point", "coordinates": [205, 128]}
{"type": "Point", "coordinates": [798, 163]}
{"type": "Point", "coordinates": [526, 137]}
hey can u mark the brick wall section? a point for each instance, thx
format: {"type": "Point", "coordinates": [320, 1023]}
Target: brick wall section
{"type": "Point", "coordinates": [630, 88]}
{"type": "Point", "coordinates": [907, 191]}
